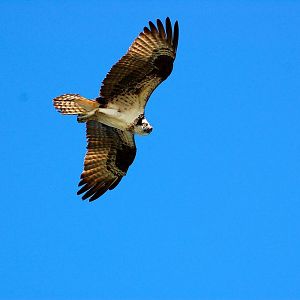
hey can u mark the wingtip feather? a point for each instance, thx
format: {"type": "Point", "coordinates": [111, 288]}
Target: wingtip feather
{"type": "Point", "coordinates": [153, 28]}
{"type": "Point", "coordinates": [161, 29]}
{"type": "Point", "coordinates": [176, 35]}
{"type": "Point", "coordinates": [169, 30]}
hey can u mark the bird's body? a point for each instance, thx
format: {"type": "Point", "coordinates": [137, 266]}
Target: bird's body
{"type": "Point", "coordinates": [119, 112]}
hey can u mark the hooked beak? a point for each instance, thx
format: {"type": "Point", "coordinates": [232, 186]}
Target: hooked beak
{"type": "Point", "coordinates": [149, 129]}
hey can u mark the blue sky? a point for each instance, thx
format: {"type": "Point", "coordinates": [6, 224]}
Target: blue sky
{"type": "Point", "coordinates": [210, 209]}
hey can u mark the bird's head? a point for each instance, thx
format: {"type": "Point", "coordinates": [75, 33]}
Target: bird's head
{"type": "Point", "coordinates": [142, 126]}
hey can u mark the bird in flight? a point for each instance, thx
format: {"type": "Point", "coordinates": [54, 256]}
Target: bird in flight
{"type": "Point", "coordinates": [117, 114]}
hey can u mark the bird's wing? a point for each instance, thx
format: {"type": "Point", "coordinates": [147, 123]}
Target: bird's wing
{"type": "Point", "coordinates": [110, 152]}
{"type": "Point", "coordinates": [148, 62]}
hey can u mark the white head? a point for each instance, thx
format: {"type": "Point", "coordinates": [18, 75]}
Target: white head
{"type": "Point", "coordinates": [142, 126]}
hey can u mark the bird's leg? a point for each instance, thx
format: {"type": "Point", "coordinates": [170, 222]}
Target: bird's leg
{"type": "Point", "coordinates": [83, 118]}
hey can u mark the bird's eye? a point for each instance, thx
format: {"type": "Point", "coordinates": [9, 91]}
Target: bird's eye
{"type": "Point", "coordinates": [139, 122]}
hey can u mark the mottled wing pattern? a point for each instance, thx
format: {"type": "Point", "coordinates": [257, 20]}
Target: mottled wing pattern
{"type": "Point", "coordinates": [148, 62]}
{"type": "Point", "coordinates": [110, 152]}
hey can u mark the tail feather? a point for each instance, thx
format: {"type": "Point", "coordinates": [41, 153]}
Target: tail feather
{"type": "Point", "coordinates": [73, 104]}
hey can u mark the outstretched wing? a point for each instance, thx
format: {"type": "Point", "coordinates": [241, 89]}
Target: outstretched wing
{"type": "Point", "coordinates": [148, 62]}
{"type": "Point", "coordinates": [110, 152]}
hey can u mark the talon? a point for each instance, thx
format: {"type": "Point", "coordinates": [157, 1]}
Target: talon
{"type": "Point", "coordinates": [85, 117]}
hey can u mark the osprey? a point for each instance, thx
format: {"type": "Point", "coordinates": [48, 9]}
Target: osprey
{"type": "Point", "coordinates": [113, 118]}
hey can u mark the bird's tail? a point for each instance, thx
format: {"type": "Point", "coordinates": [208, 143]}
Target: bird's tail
{"type": "Point", "coordinates": [74, 104]}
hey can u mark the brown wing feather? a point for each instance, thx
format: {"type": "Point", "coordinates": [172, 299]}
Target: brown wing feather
{"type": "Point", "coordinates": [148, 62]}
{"type": "Point", "coordinates": [110, 152]}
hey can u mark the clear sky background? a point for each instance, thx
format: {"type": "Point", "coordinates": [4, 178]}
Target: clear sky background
{"type": "Point", "coordinates": [210, 209]}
